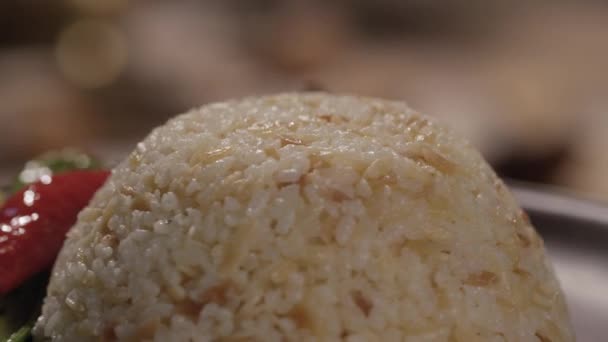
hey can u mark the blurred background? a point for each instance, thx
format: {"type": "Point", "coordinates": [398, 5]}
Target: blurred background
{"type": "Point", "coordinates": [526, 81]}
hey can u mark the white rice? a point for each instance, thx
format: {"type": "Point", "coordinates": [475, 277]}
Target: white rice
{"type": "Point", "coordinates": [303, 217]}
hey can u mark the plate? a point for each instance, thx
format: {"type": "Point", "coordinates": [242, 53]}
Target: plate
{"type": "Point", "coordinates": [576, 236]}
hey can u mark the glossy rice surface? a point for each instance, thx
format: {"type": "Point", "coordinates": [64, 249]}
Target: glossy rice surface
{"type": "Point", "coordinates": [303, 217]}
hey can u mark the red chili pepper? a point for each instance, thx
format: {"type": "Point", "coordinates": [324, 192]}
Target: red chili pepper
{"type": "Point", "coordinates": [35, 220]}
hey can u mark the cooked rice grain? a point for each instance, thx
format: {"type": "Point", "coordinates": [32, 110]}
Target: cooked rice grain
{"type": "Point", "coordinates": [303, 217]}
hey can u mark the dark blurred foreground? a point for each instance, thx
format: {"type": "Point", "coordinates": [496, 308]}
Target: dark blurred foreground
{"type": "Point", "coordinates": [527, 83]}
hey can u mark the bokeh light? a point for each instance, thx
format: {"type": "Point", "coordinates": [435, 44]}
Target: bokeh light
{"type": "Point", "coordinates": [91, 53]}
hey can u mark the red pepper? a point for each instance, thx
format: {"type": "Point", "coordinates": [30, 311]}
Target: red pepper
{"type": "Point", "coordinates": [35, 220]}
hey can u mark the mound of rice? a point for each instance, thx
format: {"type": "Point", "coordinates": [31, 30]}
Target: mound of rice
{"type": "Point", "coordinates": [303, 217]}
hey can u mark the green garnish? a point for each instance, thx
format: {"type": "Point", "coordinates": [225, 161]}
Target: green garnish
{"type": "Point", "coordinates": [53, 162]}
{"type": "Point", "coordinates": [20, 308]}
{"type": "Point", "coordinates": [23, 334]}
